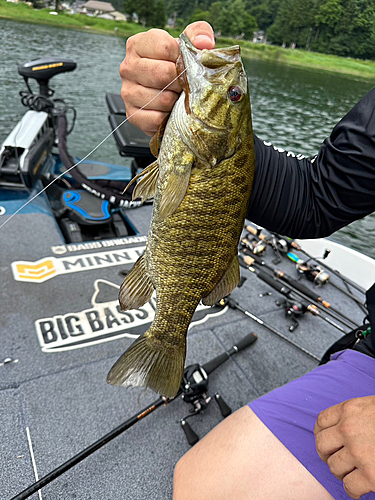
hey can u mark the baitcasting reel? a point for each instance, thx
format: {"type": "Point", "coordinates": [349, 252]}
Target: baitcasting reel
{"type": "Point", "coordinates": [194, 391]}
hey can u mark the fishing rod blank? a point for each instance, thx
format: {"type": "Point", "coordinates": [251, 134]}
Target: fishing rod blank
{"type": "Point", "coordinates": [208, 367]}
{"type": "Point", "coordinates": [235, 305]}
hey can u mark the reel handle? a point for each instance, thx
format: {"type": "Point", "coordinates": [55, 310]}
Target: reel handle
{"type": "Point", "coordinates": [191, 436]}
{"type": "Point", "coordinates": [224, 408]}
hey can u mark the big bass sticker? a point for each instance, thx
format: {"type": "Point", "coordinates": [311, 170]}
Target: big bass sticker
{"type": "Point", "coordinates": [104, 321]}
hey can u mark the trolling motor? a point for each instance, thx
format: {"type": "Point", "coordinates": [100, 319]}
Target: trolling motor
{"type": "Point", "coordinates": [25, 153]}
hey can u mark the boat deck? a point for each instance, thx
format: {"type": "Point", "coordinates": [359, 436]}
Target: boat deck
{"type": "Point", "coordinates": [61, 327]}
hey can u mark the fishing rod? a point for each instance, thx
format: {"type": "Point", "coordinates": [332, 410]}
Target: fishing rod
{"type": "Point", "coordinates": [293, 307]}
{"type": "Point", "coordinates": [194, 380]}
{"type": "Point", "coordinates": [298, 287]}
{"type": "Point", "coordinates": [284, 244]}
{"type": "Point", "coordinates": [235, 305]}
{"type": "Point", "coordinates": [313, 273]}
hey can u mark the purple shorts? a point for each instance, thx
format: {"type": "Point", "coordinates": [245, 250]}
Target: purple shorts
{"type": "Point", "coordinates": [290, 411]}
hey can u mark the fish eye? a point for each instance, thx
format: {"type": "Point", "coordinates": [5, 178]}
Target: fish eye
{"type": "Point", "coordinates": [235, 93]}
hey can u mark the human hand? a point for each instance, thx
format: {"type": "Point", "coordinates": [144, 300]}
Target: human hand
{"type": "Point", "coordinates": [149, 66]}
{"type": "Point", "coordinates": [345, 440]}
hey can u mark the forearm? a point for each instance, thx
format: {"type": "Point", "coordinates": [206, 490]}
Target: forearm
{"type": "Point", "coordinates": [313, 197]}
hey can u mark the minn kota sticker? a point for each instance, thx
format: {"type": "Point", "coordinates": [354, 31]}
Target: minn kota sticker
{"type": "Point", "coordinates": [104, 321]}
{"type": "Point", "coordinates": [49, 267]}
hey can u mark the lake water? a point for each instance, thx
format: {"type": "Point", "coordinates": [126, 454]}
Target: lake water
{"type": "Point", "coordinates": [293, 108]}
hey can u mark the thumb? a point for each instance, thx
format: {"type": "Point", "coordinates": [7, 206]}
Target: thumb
{"type": "Point", "coordinates": [201, 35]}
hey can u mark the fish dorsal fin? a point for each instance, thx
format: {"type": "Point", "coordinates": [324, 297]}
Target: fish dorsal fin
{"type": "Point", "coordinates": [137, 287]}
{"type": "Point", "coordinates": [175, 185]}
{"type": "Point", "coordinates": [226, 285]}
{"type": "Point", "coordinates": [146, 187]}
{"type": "Point", "coordinates": [157, 137]}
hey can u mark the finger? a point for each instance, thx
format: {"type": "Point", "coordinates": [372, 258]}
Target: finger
{"type": "Point", "coordinates": [201, 35]}
{"type": "Point", "coordinates": [341, 463]}
{"type": "Point", "coordinates": [356, 484]}
{"type": "Point", "coordinates": [147, 120]}
{"type": "Point", "coordinates": [153, 44]}
{"type": "Point", "coordinates": [328, 417]}
{"type": "Point", "coordinates": [327, 442]}
{"type": "Point", "coordinates": [148, 98]}
{"type": "Point", "coordinates": [151, 73]}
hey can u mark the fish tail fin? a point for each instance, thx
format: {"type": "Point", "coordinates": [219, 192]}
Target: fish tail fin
{"type": "Point", "coordinates": [150, 363]}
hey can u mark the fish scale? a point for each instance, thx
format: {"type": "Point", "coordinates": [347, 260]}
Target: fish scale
{"type": "Point", "coordinates": [201, 183]}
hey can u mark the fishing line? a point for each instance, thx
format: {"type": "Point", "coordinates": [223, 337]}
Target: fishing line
{"type": "Point", "coordinates": [90, 153]}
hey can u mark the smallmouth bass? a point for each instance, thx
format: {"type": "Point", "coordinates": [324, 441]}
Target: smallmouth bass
{"type": "Point", "coordinates": [201, 183]}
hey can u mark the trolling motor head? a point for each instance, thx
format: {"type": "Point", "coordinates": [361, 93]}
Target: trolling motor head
{"type": "Point", "coordinates": [43, 69]}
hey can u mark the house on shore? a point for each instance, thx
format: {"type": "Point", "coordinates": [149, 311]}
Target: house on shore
{"type": "Point", "coordinates": [96, 8]}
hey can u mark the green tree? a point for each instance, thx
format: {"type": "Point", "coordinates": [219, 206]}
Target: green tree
{"type": "Point", "coordinates": [215, 14]}
{"type": "Point", "coordinates": [234, 21]}
{"type": "Point", "coordinates": [159, 18]}
{"type": "Point", "coordinates": [200, 15]}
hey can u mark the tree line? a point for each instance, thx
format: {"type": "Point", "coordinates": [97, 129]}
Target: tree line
{"type": "Point", "coordinates": [341, 27]}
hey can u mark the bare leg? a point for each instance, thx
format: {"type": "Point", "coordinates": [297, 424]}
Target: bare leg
{"type": "Point", "coordinates": [241, 459]}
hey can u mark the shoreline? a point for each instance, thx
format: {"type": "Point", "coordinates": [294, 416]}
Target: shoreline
{"type": "Point", "coordinates": [364, 69]}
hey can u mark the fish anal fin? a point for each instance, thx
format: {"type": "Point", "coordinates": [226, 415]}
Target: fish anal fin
{"type": "Point", "coordinates": [150, 363]}
{"type": "Point", "coordinates": [226, 285]}
{"type": "Point", "coordinates": [146, 186]}
{"type": "Point", "coordinates": [137, 287]}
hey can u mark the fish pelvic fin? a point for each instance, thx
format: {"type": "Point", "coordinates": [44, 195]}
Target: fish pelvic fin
{"type": "Point", "coordinates": [226, 285]}
{"type": "Point", "coordinates": [151, 363]}
{"type": "Point", "coordinates": [137, 287]}
{"type": "Point", "coordinates": [146, 186]}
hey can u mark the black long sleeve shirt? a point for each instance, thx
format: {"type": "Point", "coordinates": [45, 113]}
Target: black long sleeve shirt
{"type": "Point", "coordinates": [313, 197]}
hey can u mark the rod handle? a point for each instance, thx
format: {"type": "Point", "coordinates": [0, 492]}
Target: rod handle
{"type": "Point", "coordinates": [302, 288]}
{"type": "Point", "coordinates": [243, 343]}
{"type": "Point", "coordinates": [210, 366]}
{"type": "Point", "coordinates": [272, 282]}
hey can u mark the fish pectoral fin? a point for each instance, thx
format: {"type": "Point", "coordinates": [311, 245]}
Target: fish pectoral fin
{"type": "Point", "coordinates": [146, 186]}
{"type": "Point", "coordinates": [226, 285]}
{"type": "Point", "coordinates": [137, 287]}
{"type": "Point", "coordinates": [174, 188]}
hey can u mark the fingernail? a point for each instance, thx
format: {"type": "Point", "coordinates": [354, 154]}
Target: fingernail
{"type": "Point", "coordinates": [204, 41]}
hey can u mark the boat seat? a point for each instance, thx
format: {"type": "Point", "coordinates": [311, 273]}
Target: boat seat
{"type": "Point", "coordinates": [129, 139]}
{"type": "Point", "coordinates": [115, 104]}
{"type": "Point", "coordinates": [85, 208]}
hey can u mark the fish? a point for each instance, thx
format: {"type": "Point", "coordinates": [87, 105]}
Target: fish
{"type": "Point", "coordinates": [201, 183]}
